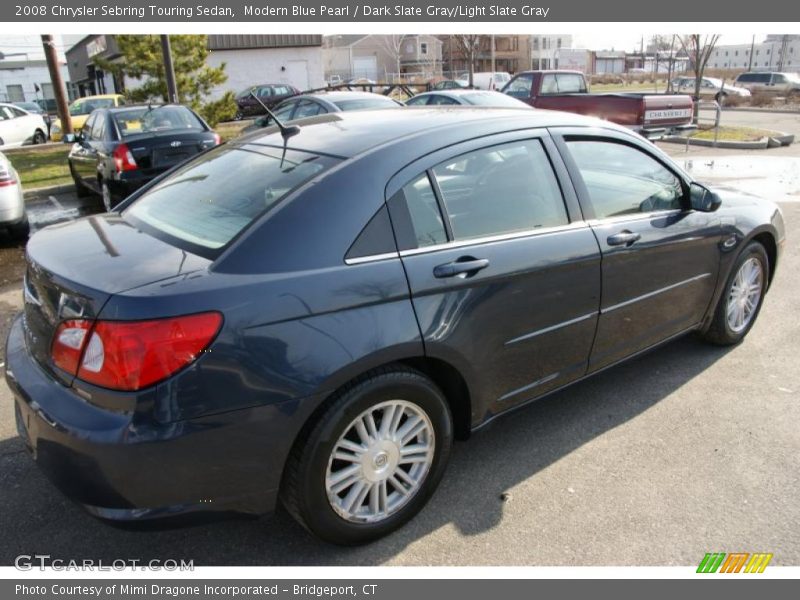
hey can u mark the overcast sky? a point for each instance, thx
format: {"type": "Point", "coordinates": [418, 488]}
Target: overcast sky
{"type": "Point", "coordinates": [621, 40]}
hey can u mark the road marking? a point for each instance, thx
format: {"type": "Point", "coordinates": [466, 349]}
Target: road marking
{"type": "Point", "coordinates": [57, 204]}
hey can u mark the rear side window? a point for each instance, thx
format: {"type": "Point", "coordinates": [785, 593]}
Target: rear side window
{"type": "Point", "coordinates": [307, 109]}
{"type": "Point", "coordinates": [622, 180]}
{"type": "Point", "coordinates": [501, 189]}
{"type": "Point", "coordinates": [423, 210]}
{"type": "Point", "coordinates": [204, 204]}
{"type": "Point", "coordinates": [570, 83]}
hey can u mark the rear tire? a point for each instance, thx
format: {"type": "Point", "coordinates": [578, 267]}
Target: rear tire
{"type": "Point", "coordinates": [105, 193]}
{"type": "Point", "coordinates": [80, 189]}
{"type": "Point", "coordinates": [39, 137]}
{"type": "Point", "coordinates": [740, 302]}
{"type": "Point", "coordinates": [360, 437]}
{"type": "Point", "coordinates": [20, 231]}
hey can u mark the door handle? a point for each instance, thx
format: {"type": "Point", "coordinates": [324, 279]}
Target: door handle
{"type": "Point", "coordinates": [466, 266]}
{"type": "Point", "coordinates": [623, 238]}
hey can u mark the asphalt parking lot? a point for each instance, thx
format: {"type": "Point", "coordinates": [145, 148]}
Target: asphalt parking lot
{"type": "Point", "coordinates": [686, 450]}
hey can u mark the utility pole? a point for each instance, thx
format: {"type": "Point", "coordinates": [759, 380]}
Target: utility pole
{"type": "Point", "coordinates": [169, 70]}
{"type": "Point", "coordinates": [60, 92]}
{"type": "Point", "coordinates": [494, 68]}
{"type": "Point", "coordinates": [752, 49]}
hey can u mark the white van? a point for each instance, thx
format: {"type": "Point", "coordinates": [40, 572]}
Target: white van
{"type": "Point", "coordinates": [486, 81]}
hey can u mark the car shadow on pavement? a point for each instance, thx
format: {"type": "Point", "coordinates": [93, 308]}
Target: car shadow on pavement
{"type": "Point", "coordinates": [36, 518]}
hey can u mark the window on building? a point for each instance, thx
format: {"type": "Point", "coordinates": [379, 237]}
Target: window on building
{"type": "Point", "coordinates": [423, 48]}
{"type": "Point", "coordinates": [15, 93]}
{"type": "Point", "coordinates": [558, 42]}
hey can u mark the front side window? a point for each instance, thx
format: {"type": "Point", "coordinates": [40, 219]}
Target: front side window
{"type": "Point", "coordinates": [307, 109]}
{"type": "Point", "coordinates": [204, 204]}
{"type": "Point", "coordinates": [439, 100]}
{"type": "Point", "coordinates": [501, 189]}
{"type": "Point", "coordinates": [623, 180]}
{"type": "Point", "coordinates": [520, 86]}
{"type": "Point", "coordinates": [417, 101]}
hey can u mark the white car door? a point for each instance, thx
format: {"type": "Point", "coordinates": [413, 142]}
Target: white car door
{"type": "Point", "coordinates": [8, 129]}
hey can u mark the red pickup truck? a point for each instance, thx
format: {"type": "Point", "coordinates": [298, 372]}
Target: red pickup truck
{"type": "Point", "coordinates": [652, 115]}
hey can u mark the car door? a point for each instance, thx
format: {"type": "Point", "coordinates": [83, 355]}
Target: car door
{"type": "Point", "coordinates": [7, 134]}
{"type": "Point", "coordinates": [660, 259]}
{"type": "Point", "coordinates": [503, 272]}
{"type": "Point", "coordinates": [84, 155]}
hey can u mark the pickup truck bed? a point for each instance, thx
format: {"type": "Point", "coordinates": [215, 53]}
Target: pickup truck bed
{"type": "Point", "coordinates": [652, 115]}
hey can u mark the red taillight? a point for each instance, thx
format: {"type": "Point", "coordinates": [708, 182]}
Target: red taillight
{"type": "Point", "coordinates": [130, 355]}
{"type": "Point", "coordinates": [123, 159]}
{"type": "Point", "coordinates": [68, 344]}
{"type": "Point", "coordinates": [6, 178]}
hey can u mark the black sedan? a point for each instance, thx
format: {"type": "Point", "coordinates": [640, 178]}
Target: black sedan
{"type": "Point", "coordinates": [120, 149]}
{"type": "Point", "coordinates": [322, 103]}
{"type": "Point", "coordinates": [270, 94]}
{"type": "Point", "coordinates": [465, 98]}
{"type": "Point", "coordinates": [313, 315]}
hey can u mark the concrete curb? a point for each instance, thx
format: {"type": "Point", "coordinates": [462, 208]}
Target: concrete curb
{"type": "Point", "coordinates": [774, 141]}
{"type": "Point", "coordinates": [45, 192]}
{"type": "Point", "coordinates": [762, 110]}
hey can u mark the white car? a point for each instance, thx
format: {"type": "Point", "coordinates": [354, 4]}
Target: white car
{"type": "Point", "coordinates": [709, 87]}
{"type": "Point", "coordinates": [12, 202]}
{"type": "Point", "coordinates": [486, 81]}
{"type": "Point", "coordinates": [19, 127]}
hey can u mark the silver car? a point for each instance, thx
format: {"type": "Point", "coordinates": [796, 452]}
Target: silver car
{"type": "Point", "coordinates": [12, 203]}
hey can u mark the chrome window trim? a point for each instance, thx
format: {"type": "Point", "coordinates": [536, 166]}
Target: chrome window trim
{"type": "Point", "coordinates": [371, 258]}
{"type": "Point", "coordinates": [551, 328]}
{"type": "Point", "coordinates": [495, 238]}
{"type": "Point", "coordinates": [625, 303]}
{"type": "Point", "coordinates": [636, 216]}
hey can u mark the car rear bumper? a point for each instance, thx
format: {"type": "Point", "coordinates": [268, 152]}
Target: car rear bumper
{"type": "Point", "coordinates": [658, 132]}
{"type": "Point", "coordinates": [123, 466]}
{"type": "Point", "coordinates": [12, 206]}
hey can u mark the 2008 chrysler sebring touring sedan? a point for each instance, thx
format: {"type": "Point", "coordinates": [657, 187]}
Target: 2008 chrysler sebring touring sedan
{"type": "Point", "coordinates": [314, 315]}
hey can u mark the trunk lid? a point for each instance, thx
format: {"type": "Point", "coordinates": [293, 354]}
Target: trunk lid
{"type": "Point", "coordinates": [74, 268]}
{"type": "Point", "coordinates": [164, 150]}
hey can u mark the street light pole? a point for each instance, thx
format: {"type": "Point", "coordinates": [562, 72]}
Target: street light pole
{"type": "Point", "coordinates": [59, 91]}
{"type": "Point", "coordinates": [169, 70]}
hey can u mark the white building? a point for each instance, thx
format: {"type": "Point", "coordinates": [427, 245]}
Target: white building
{"type": "Point", "coordinates": [546, 51]}
{"type": "Point", "coordinates": [775, 53]}
{"type": "Point", "coordinates": [24, 76]}
{"type": "Point", "coordinates": [258, 59]}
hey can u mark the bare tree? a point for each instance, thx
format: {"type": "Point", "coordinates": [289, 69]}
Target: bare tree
{"type": "Point", "coordinates": [468, 46]}
{"type": "Point", "coordinates": [698, 48]}
{"type": "Point", "coordinates": [393, 46]}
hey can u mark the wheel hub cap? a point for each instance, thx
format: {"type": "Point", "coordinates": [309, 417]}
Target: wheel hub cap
{"type": "Point", "coordinates": [745, 295]}
{"type": "Point", "coordinates": [380, 461]}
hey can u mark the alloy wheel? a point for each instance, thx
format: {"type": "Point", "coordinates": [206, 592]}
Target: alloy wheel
{"type": "Point", "coordinates": [380, 461]}
{"type": "Point", "coordinates": [745, 294]}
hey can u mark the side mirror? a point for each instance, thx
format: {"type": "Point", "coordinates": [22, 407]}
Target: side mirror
{"type": "Point", "coordinates": [262, 121]}
{"type": "Point", "coordinates": [70, 138]}
{"type": "Point", "coordinates": [702, 199]}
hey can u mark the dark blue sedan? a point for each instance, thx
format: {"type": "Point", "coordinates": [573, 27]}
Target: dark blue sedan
{"type": "Point", "coordinates": [315, 317]}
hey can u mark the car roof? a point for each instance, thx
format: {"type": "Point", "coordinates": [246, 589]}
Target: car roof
{"type": "Point", "coordinates": [455, 93]}
{"type": "Point", "coordinates": [347, 134]}
{"type": "Point", "coordinates": [335, 95]}
{"type": "Point", "coordinates": [98, 96]}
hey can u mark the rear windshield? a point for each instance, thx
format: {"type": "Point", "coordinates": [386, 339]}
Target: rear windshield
{"type": "Point", "coordinates": [135, 121]}
{"type": "Point", "coordinates": [87, 105]}
{"type": "Point", "coordinates": [204, 204]}
{"type": "Point", "coordinates": [366, 103]}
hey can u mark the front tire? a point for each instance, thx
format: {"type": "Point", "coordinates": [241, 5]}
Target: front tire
{"type": "Point", "coordinates": [740, 303]}
{"type": "Point", "coordinates": [372, 459]}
